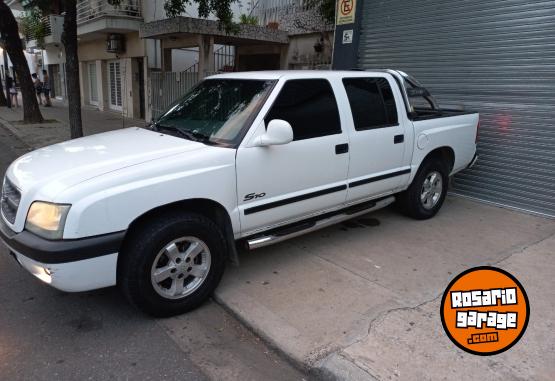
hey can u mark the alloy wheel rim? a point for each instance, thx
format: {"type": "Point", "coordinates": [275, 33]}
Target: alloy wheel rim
{"type": "Point", "coordinates": [180, 268]}
{"type": "Point", "coordinates": [432, 188]}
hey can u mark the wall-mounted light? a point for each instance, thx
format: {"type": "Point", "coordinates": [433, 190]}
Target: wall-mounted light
{"type": "Point", "coordinates": [115, 43]}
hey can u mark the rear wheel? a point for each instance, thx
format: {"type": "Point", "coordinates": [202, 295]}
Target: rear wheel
{"type": "Point", "coordinates": [172, 264]}
{"type": "Point", "coordinates": [425, 196]}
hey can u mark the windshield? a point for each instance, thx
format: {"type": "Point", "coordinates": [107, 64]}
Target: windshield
{"type": "Point", "coordinates": [216, 110]}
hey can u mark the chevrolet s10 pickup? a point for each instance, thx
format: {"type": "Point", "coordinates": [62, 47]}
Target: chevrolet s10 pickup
{"type": "Point", "coordinates": [242, 160]}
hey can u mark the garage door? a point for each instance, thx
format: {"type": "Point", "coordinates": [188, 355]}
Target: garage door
{"type": "Point", "coordinates": [495, 57]}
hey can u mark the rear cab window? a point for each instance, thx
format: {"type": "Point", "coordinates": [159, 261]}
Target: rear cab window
{"type": "Point", "coordinates": [309, 105]}
{"type": "Point", "coordinates": [372, 102]}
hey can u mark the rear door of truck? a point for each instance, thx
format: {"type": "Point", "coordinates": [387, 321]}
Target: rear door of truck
{"type": "Point", "coordinates": [380, 136]}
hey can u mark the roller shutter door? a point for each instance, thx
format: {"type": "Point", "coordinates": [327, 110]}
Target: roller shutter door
{"type": "Point", "coordinates": [495, 57]}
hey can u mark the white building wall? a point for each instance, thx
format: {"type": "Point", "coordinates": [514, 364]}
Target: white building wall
{"type": "Point", "coordinates": [154, 10]}
{"type": "Point", "coordinates": [183, 59]}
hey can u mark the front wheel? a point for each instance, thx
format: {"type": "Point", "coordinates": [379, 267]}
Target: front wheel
{"type": "Point", "coordinates": [425, 195]}
{"type": "Point", "coordinates": [172, 264]}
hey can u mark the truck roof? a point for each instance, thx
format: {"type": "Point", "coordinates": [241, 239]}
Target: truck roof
{"type": "Point", "coordinates": [277, 74]}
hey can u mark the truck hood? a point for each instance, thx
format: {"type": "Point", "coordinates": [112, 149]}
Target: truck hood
{"type": "Point", "coordinates": [52, 169]}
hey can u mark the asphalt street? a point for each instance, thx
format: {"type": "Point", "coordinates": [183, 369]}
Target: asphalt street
{"type": "Point", "coordinates": [46, 334]}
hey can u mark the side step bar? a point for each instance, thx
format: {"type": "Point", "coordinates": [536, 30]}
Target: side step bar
{"type": "Point", "coordinates": [295, 230]}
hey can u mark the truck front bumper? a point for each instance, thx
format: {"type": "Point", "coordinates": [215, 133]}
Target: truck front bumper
{"type": "Point", "coordinates": [69, 265]}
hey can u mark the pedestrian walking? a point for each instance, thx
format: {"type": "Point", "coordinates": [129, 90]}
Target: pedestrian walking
{"type": "Point", "coordinates": [46, 88]}
{"type": "Point", "coordinates": [10, 85]}
{"type": "Point", "coordinates": [38, 87]}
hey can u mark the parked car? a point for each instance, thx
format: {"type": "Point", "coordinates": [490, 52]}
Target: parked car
{"type": "Point", "coordinates": [242, 159]}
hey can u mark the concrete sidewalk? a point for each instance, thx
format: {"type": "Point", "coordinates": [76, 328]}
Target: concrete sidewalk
{"type": "Point", "coordinates": [360, 301]}
{"type": "Point", "coordinates": [57, 128]}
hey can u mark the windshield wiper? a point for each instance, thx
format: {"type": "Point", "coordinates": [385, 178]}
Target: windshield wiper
{"type": "Point", "coordinates": [190, 135]}
{"type": "Point", "coordinates": [197, 136]}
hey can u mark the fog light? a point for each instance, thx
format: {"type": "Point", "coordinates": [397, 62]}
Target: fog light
{"type": "Point", "coordinates": [43, 274]}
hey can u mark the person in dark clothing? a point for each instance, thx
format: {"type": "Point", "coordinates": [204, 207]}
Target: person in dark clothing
{"type": "Point", "coordinates": [46, 88]}
{"type": "Point", "coordinates": [12, 92]}
{"type": "Point", "coordinates": [38, 87]}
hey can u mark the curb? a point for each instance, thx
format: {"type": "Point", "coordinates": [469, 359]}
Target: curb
{"type": "Point", "coordinates": [333, 367]}
{"type": "Point", "coordinates": [32, 136]}
{"type": "Point", "coordinates": [8, 126]}
{"type": "Point", "coordinates": [13, 131]}
{"type": "Point", "coordinates": [265, 338]}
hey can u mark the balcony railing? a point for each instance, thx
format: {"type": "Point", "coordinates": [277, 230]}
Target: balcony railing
{"type": "Point", "coordinates": [88, 10]}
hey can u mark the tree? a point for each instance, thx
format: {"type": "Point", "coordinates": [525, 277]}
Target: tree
{"type": "Point", "coordinates": [69, 40]}
{"type": "Point", "coordinates": [12, 43]}
{"type": "Point", "coordinates": [221, 8]}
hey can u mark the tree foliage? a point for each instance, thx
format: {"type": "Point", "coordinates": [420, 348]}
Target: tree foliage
{"type": "Point", "coordinates": [219, 8]}
{"type": "Point", "coordinates": [245, 19]}
{"type": "Point", "coordinates": [33, 26]}
{"type": "Point", "coordinates": [326, 8]}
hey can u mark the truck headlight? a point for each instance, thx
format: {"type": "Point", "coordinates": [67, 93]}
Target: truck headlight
{"type": "Point", "coordinates": [46, 219]}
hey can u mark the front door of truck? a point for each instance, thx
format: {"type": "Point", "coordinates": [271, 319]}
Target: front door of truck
{"type": "Point", "coordinates": [282, 183]}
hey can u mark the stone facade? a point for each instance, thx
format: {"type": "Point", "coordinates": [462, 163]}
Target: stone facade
{"type": "Point", "coordinates": [310, 36]}
{"type": "Point", "coordinates": [295, 19]}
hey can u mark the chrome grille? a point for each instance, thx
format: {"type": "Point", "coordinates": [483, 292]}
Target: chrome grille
{"type": "Point", "coordinates": [10, 200]}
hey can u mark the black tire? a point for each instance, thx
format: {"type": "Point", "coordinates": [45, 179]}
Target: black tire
{"type": "Point", "coordinates": [144, 244]}
{"type": "Point", "coordinates": [410, 201]}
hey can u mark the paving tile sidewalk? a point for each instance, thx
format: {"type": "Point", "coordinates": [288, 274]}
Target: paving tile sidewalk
{"type": "Point", "coordinates": [40, 135]}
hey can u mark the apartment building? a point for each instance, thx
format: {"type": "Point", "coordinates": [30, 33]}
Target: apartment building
{"type": "Point", "coordinates": [135, 61]}
{"type": "Point", "coordinates": [111, 54]}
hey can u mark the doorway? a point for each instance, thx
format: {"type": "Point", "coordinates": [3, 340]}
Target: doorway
{"type": "Point", "coordinates": [114, 82]}
{"type": "Point", "coordinates": [93, 84]}
{"type": "Point", "coordinates": [141, 80]}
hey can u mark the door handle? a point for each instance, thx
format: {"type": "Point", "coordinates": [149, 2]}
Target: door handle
{"type": "Point", "coordinates": [398, 139]}
{"type": "Point", "coordinates": [341, 148]}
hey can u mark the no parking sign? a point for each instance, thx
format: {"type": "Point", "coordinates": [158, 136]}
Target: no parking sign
{"type": "Point", "coordinates": [346, 12]}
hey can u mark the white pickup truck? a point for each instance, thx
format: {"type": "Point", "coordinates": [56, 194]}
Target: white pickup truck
{"type": "Point", "coordinates": [244, 159]}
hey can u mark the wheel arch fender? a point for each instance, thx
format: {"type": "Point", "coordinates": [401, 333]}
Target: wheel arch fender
{"type": "Point", "coordinates": [444, 153]}
{"type": "Point", "coordinates": [206, 207]}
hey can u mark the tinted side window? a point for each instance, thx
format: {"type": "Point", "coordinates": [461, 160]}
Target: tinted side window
{"type": "Point", "coordinates": [309, 106]}
{"type": "Point", "coordinates": [372, 102]}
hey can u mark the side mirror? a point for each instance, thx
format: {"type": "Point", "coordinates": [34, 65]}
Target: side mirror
{"type": "Point", "coordinates": [278, 132]}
